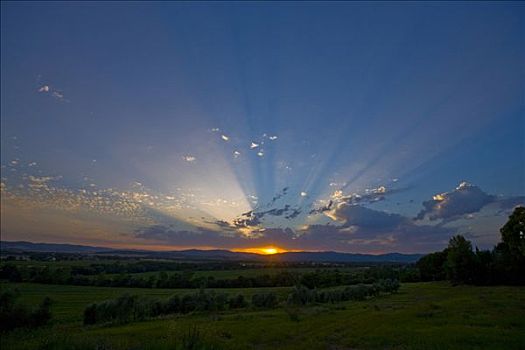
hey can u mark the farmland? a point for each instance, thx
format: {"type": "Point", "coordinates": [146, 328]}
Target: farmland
{"type": "Point", "coordinates": [420, 316]}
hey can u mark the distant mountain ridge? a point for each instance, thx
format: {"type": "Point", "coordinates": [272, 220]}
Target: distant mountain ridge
{"type": "Point", "coordinates": [217, 254]}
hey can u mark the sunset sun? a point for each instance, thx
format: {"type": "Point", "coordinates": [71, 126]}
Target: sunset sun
{"type": "Point", "coordinates": [270, 250]}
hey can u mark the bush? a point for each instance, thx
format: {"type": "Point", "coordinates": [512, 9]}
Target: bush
{"type": "Point", "coordinates": [265, 300]}
{"type": "Point", "coordinates": [301, 295]}
{"type": "Point", "coordinates": [16, 315]}
{"type": "Point", "coordinates": [237, 302]}
{"type": "Point", "coordinates": [128, 308]}
{"type": "Point", "coordinates": [124, 309]}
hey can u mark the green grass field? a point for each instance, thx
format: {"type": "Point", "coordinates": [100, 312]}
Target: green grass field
{"type": "Point", "coordinates": [69, 301]}
{"type": "Point", "coordinates": [420, 316]}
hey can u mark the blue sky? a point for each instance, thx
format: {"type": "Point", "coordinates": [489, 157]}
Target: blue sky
{"type": "Point", "coordinates": [317, 126]}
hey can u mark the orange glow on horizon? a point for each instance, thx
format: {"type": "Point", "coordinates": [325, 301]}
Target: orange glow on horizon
{"type": "Point", "coordinates": [270, 250]}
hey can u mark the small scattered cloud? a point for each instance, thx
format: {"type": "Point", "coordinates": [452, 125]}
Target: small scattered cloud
{"type": "Point", "coordinates": [225, 138]}
{"type": "Point", "coordinates": [53, 92]}
{"type": "Point", "coordinates": [189, 158]}
{"type": "Point", "coordinates": [279, 195]}
{"type": "Point", "coordinates": [43, 179]}
{"type": "Point", "coordinates": [254, 145]}
{"type": "Point", "coordinates": [58, 95]}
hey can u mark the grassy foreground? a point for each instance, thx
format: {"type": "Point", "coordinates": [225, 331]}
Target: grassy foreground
{"type": "Point", "coordinates": [420, 316]}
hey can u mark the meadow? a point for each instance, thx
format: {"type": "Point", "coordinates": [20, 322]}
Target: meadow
{"type": "Point", "coordinates": [432, 315]}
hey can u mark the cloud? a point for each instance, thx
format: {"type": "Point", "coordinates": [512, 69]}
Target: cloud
{"type": "Point", "coordinates": [43, 179]}
{"type": "Point", "coordinates": [225, 138]}
{"type": "Point", "coordinates": [253, 218]}
{"type": "Point", "coordinates": [57, 94]}
{"type": "Point", "coordinates": [189, 158]}
{"type": "Point", "coordinates": [448, 206]}
{"type": "Point", "coordinates": [272, 138]}
{"type": "Point", "coordinates": [247, 220]}
{"type": "Point", "coordinates": [322, 209]}
{"type": "Point", "coordinates": [338, 197]}
{"type": "Point", "coordinates": [279, 195]}
{"type": "Point", "coordinates": [358, 229]}
{"type": "Point", "coordinates": [395, 235]}
{"type": "Point", "coordinates": [293, 214]}
{"type": "Point", "coordinates": [508, 204]}
{"type": "Point", "coordinates": [368, 229]}
{"type": "Point", "coordinates": [203, 237]}
{"type": "Point", "coordinates": [356, 215]}
{"type": "Point", "coordinates": [254, 145]}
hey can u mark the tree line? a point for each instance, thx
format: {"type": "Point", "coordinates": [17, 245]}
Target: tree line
{"type": "Point", "coordinates": [460, 263]}
{"type": "Point", "coordinates": [128, 308]}
{"type": "Point", "coordinates": [319, 278]}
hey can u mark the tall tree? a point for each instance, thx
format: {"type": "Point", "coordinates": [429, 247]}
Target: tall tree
{"type": "Point", "coordinates": [460, 260]}
{"type": "Point", "coordinates": [513, 232]}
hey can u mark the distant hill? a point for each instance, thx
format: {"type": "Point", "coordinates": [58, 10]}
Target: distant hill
{"type": "Point", "coordinates": [23, 246]}
{"type": "Point", "coordinates": [217, 254]}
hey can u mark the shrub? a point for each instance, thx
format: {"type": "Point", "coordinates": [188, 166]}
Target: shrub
{"type": "Point", "coordinates": [124, 309]}
{"type": "Point", "coordinates": [237, 302]}
{"type": "Point", "coordinates": [128, 308]}
{"type": "Point", "coordinates": [16, 315]}
{"type": "Point", "coordinates": [265, 300]}
{"type": "Point", "coordinates": [301, 295]}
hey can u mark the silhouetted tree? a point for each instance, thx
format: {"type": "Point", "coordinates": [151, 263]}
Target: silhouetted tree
{"type": "Point", "coordinates": [460, 260]}
{"type": "Point", "coordinates": [505, 264]}
{"type": "Point", "coordinates": [513, 233]}
{"type": "Point", "coordinates": [509, 255]}
{"type": "Point", "coordinates": [432, 266]}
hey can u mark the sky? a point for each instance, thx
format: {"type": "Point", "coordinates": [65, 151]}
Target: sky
{"type": "Point", "coordinates": [353, 127]}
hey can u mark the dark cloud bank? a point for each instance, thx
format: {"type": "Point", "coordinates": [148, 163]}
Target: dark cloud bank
{"type": "Point", "coordinates": [356, 228]}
